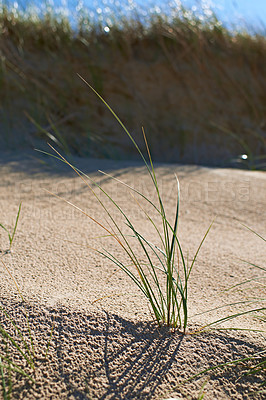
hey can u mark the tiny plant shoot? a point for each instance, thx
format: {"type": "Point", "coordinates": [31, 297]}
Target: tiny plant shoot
{"type": "Point", "coordinates": [11, 234]}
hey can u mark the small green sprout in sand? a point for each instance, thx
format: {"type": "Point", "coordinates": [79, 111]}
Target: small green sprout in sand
{"type": "Point", "coordinates": [11, 234]}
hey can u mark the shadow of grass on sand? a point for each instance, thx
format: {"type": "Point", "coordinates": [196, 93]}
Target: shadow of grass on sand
{"type": "Point", "coordinates": [103, 356]}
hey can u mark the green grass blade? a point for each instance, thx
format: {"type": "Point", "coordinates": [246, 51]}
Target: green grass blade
{"type": "Point", "coordinates": [15, 227]}
{"type": "Point", "coordinates": [5, 394]}
{"type": "Point", "coordinates": [226, 305]}
{"type": "Point", "coordinates": [229, 363]}
{"type": "Point", "coordinates": [143, 284]}
{"type": "Point", "coordinates": [60, 139]}
{"type": "Point", "coordinates": [141, 239]}
{"type": "Point", "coordinates": [2, 226]}
{"type": "Point", "coordinates": [5, 334]}
{"type": "Point", "coordinates": [156, 186]}
{"type": "Point", "coordinates": [176, 220]}
{"type": "Point", "coordinates": [118, 120]}
{"type": "Point", "coordinates": [122, 266]}
{"type": "Point", "coordinates": [14, 367]}
{"type": "Point", "coordinates": [198, 249]}
{"type": "Point", "coordinates": [251, 230]}
{"type": "Point", "coordinates": [131, 188]}
{"type": "Point", "coordinates": [153, 248]}
{"type": "Point", "coordinates": [233, 316]}
{"type": "Point", "coordinates": [254, 265]}
{"type": "Point", "coordinates": [255, 279]}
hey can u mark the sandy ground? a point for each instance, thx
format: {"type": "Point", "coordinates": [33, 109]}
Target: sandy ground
{"type": "Point", "coordinates": [104, 343]}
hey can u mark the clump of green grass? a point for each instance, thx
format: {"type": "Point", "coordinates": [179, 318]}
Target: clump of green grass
{"type": "Point", "coordinates": [163, 276]}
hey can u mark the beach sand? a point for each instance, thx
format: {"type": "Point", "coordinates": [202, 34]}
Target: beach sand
{"type": "Point", "coordinates": [105, 344]}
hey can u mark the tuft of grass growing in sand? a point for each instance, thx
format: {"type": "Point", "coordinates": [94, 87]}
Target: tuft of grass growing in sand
{"type": "Point", "coordinates": [162, 272]}
{"type": "Point", "coordinates": [164, 275]}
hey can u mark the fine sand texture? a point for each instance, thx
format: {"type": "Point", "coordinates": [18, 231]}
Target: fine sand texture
{"type": "Point", "coordinates": [105, 344]}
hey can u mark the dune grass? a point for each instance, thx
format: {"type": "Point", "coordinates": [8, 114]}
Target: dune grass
{"type": "Point", "coordinates": [168, 301]}
{"type": "Point", "coordinates": [163, 276]}
{"type": "Point", "coordinates": [155, 72]}
{"type": "Point", "coordinates": [160, 272]}
{"type": "Point", "coordinates": [217, 73]}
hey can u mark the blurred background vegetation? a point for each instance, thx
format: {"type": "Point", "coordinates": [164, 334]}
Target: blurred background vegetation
{"type": "Point", "coordinates": [198, 88]}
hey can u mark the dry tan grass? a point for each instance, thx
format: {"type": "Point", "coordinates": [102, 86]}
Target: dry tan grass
{"type": "Point", "coordinates": [190, 86]}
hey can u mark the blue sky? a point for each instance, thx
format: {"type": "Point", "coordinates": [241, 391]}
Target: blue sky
{"type": "Point", "coordinates": [231, 11]}
{"type": "Point", "coordinates": [247, 12]}
{"type": "Point", "coordinates": [253, 11]}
